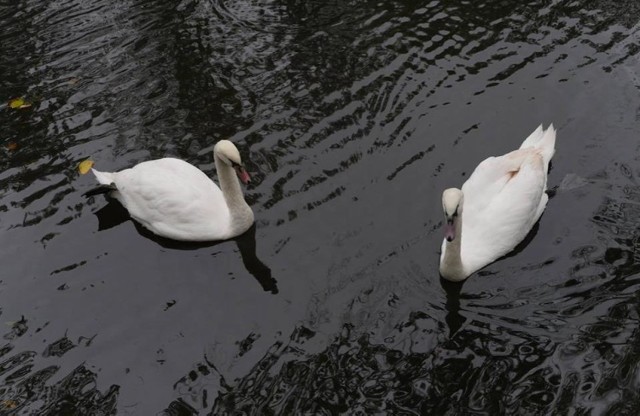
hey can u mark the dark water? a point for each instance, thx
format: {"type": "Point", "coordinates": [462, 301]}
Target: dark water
{"type": "Point", "coordinates": [355, 115]}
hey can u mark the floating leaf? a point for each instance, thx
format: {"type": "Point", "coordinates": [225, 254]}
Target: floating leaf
{"type": "Point", "coordinates": [9, 404]}
{"type": "Point", "coordinates": [19, 103]}
{"type": "Point", "coordinates": [16, 102]}
{"type": "Point", "coordinates": [85, 166]}
{"type": "Point", "coordinates": [11, 146]}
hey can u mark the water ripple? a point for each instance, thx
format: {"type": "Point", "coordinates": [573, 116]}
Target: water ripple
{"type": "Point", "coordinates": [31, 385]}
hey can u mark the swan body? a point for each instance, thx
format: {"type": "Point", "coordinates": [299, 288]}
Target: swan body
{"type": "Point", "coordinates": [496, 207]}
{"type": "Point", "coordinates": [176, 200]}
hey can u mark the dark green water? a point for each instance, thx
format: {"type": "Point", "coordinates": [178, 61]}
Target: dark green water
{"type": "Point", "coordinates": [354, 117]}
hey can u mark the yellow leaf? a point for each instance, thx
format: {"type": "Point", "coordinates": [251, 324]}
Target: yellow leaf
{"type": "Point", "coordinates": [85, 166]}
{"type": "Point", "coordinates": [11, 146]}
{"type": "Point", "coordinates": [17, 102]}
{"type": "Point", "coordinates": [9, 404]}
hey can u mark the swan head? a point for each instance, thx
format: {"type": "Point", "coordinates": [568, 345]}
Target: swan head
{"type": "Point", "coordinates": [228, 153]}
{"type": "Point", "coordinates": [452, 206]}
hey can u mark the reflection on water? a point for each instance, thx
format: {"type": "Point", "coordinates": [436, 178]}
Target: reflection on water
{"type": "Point", "coordinates": [247, 246]}
{"type": "Point", "coordinates": [113, 214]}
{"type": "Point", "coordinates": [454, 320]}
{"type": "Point", "coordinates": [355, 376]}
{"type": "Point", "coordinates": [42, 391]}
{"type": "Point", "coordinates": [354, 117]}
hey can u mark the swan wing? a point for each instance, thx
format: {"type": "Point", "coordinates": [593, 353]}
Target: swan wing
{"type": "Point", "coordinates": [490, 178]}
{"type": "Point", "coordinates": [174, 199]}
{"type": "Point", "coordinates": [494, 222]}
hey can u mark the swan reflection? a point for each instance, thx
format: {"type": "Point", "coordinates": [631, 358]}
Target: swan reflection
{"type": "Point", "coordinates": [114, 214]}
{"type": "Point", "coordinates": [453, 318]}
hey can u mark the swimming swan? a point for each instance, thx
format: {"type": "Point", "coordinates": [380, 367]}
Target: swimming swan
{"type": "Point", "coordinates": [497, 206]}
{"type": "Point", "coordinates": [176, 200]}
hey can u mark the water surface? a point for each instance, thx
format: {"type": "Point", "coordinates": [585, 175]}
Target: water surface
{"type": "Point", "coordinates": [353, 116]}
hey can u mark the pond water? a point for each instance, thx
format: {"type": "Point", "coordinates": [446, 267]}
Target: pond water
{"type": "Point", "coordinates": [353, 116]}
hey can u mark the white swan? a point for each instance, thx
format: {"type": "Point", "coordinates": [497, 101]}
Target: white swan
{"type": "Point", "coordinates": [497, 207]}
{"type": "Point", "coordinates": [176, 200]}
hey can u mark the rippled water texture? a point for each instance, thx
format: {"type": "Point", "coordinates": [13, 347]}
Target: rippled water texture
{"type": "Point", "coordinates": [354, 115]}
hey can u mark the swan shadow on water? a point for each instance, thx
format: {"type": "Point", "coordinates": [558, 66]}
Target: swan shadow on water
{"type": "Point", "coordinates": [114, 214]}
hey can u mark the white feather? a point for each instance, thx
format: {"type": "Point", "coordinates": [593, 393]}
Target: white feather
{"type": "Point", "coordinates": [104, 178]}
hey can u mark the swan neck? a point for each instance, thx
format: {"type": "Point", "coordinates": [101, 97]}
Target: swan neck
{"type": "Point", "coordinates": [241, 213]}
{"type": "Point", "coordinates": [451, 267]}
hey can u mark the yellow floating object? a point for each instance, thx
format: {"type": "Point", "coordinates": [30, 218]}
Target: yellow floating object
{"type": "Point", "coordinates": [85, 166]}
{"type": "Point", "coordinates": [17, 102]}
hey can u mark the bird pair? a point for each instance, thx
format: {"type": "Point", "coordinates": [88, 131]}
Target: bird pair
{"type": "Point", "coordinates": [484, 220]}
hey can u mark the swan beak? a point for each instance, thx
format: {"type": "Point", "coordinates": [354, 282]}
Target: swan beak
{"type": "Point", "coordinates": [243, 174]}
{"type": "Point", "coordinates": [450, 230]}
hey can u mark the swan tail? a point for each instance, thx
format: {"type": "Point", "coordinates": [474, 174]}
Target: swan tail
{"type": "Point", "coordinates": [533, 138]}
{"type": "Point", "coordinates": [544, 141]}
{"type": "Point", "coordinates": [547, 145]}
{"type": "Point", "coordinates": [104, 178]}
